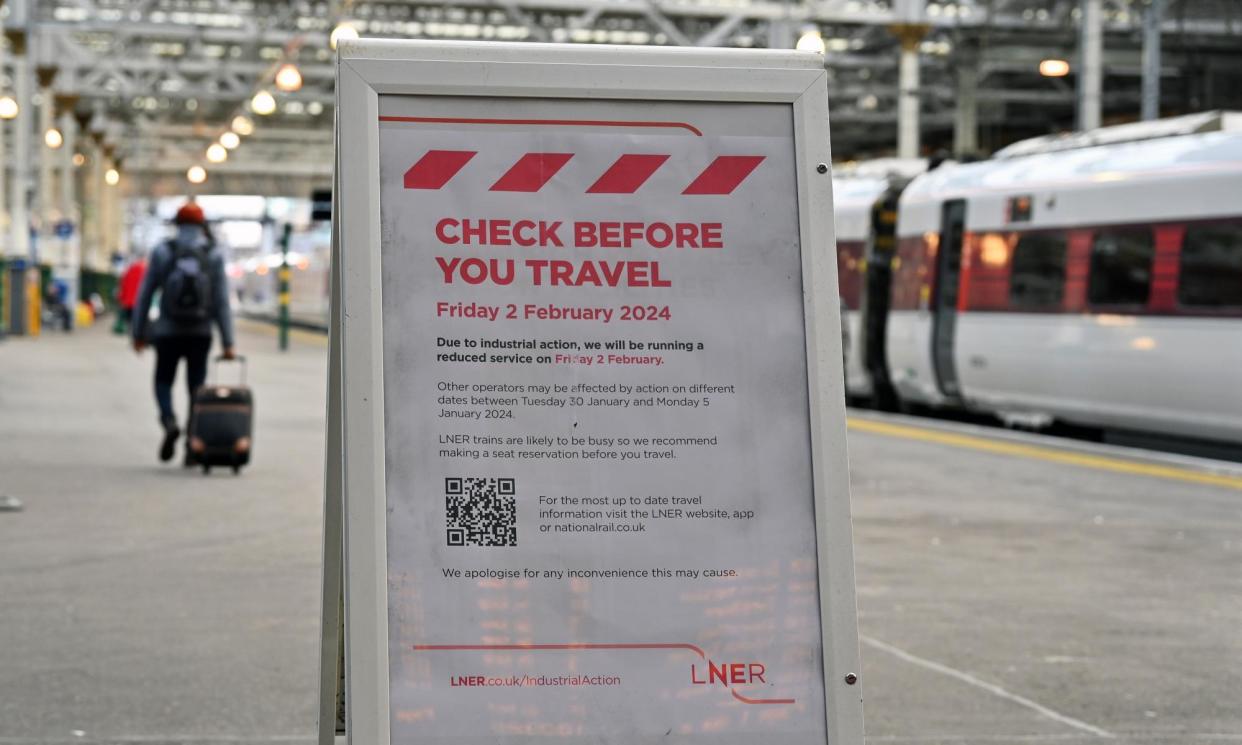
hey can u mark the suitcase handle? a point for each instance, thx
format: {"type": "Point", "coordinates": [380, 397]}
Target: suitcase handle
{"type": "Point", "coordinates": [240, 359]}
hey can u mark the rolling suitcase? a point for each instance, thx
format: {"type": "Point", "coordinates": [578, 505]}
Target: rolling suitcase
{"type": "Point", "coordinates": [221, 421]}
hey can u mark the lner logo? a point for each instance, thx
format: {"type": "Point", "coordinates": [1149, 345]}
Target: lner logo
{"type": "Point", "coordinates": [727, 674]}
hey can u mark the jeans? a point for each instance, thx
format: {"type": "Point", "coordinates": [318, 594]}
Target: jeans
{"type": "Point", "coordinates": [168, 352]}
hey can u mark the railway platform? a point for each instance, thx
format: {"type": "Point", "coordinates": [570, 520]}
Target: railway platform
{"type": "Point", "coordinates": [1011, 588]}
{"type": "Point", "coordinates": [144, 602]}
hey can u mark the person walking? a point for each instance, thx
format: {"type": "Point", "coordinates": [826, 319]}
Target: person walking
{"type": "Point", "coordinates": [188, 273]}
{"type": "Point", "coordinates": [127, 293]}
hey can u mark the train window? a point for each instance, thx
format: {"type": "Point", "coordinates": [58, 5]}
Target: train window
{"type": "Point", "coordinates": [1018, 209]}
{"type": "Point", "coordinates": [1037, 275]}
{"type": "Point", "coordinates": [1121, 266]}
{"type": "Point", "coordinates": [1211, 267]}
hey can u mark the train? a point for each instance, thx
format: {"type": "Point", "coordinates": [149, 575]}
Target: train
{"type": "Point", "coordinates": [865, 209]}
{"type": "Point", "coordinates": [255, 279]}
{"type": "Point", "coordinates": [1093, 280]}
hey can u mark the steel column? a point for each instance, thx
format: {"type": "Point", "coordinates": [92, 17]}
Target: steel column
{"type": "Point", "coordinates": [92, 212]}
{"type": "Point", "coordinates": [68, 202]}
{"type": "Point", "coordinates": [114, 237]}
{"type": "Point", "coordinates": [1152, 18]}
{"type": "Point", "coordinates": [781, 33]}
{"type": "Point", "coordinates": [19, 193]}
{"type": "Point", "coordinates": [6, 246]}
{"type": "Point", "coordinates": [1091, 64]}
{"type": "Point", "coordinates": [107, 197]}
{"type": "Point", "coordinates": [966, 115]}
{"type": "Point", "coordinates": [47, 156]}
{"type": "Point", "coordinates": [908, 93]}
{"type": "Point", "coordinates": [70, 245]}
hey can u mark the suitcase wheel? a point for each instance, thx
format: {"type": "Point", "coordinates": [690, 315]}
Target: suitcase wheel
{"type": "Point", "coordinates": [236, 469]}
{"type": "Point", "coordinates": [206, 469]}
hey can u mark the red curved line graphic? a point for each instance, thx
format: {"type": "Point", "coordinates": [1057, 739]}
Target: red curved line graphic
{"type": "Point", "coordinates": [526, 647]}
{"type": "Point", "coordinates": [745, 700]}
{"type": "Point", "coordinates": [548, 122]}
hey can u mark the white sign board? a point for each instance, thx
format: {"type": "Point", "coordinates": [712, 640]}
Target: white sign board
{"type": "Point", "coordinates": [593, 432]}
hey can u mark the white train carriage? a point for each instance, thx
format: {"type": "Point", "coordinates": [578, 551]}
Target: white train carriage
{"type": "Point", "coordinates": [853, 200]}
{"type": "Point", "coordinates": [257, 280]}
{"type": "Point", "coordinates": [864, 200]}
{"type": "Point", "coordinates": [1097, 285]}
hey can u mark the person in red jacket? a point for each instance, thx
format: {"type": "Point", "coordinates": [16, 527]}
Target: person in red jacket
{"type": "Point", "coordinates": [127, 295]}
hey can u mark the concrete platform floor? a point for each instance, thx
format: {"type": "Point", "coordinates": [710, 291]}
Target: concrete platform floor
{"type": "Point", "coordinates": [141, 602]}
{"type": "Point", "coordinates": [1006, 595]}
{"type": "Point", "coordinates": [1012, 596]}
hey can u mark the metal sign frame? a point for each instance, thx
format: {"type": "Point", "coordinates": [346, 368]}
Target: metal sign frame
{"type": "Point", "coordinates": [368, 69]}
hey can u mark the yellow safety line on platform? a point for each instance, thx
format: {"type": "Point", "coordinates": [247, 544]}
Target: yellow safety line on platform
{"type": "Point", "coordinates": [1038, 452]}
{"type": "Point", "coordinates": [271, 329]}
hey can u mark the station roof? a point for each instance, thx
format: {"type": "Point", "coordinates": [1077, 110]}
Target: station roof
{"type": "Point", "coordinates": [160, 80]}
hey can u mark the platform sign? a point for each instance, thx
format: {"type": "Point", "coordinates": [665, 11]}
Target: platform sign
{"type": "Point", "coordinates": [589, 399]}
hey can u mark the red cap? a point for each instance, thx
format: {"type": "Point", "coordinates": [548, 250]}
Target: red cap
{"type": "Point", "coordinates": [190, 214]}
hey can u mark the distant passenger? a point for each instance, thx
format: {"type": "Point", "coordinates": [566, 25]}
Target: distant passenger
{"type": "Point", "coordinates": [127, 293]}
{"type": "Point", "coordinates": [59, 304]}
{"type": "Point", "coordinates": [188, 272]}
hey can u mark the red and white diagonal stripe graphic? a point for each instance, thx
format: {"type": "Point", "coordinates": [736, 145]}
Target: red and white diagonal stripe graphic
{"type": "Point", "coordinates": [531, 172]}
{"type": "Point", "coordinates": [434, 169]}
{"type": "Point", "coordinates": [724, 174]}
{"type": "Point", "coordinates": [626, 175]}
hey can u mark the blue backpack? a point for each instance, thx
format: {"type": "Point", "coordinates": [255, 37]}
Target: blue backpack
{"type": "Point", "coordinates": [186, 291]}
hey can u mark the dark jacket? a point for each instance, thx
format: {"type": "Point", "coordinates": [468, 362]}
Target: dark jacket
{"type": "Point", "coordinates": [158, 268]}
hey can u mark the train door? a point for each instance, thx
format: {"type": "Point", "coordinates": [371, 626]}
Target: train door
{"type": "Point", "coordinates": [877, 297]}
{"type": "Point", "coordinates": [944, 300]}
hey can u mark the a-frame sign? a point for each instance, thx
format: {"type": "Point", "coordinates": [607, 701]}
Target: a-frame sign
{"type": "Point", "coordinates": [586, 474]}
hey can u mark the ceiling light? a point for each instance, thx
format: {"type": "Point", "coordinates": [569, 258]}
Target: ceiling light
{"type": "Point", "coordinates": [53, 138]}
{"type": "Point", "coordinates": [196, 174]}
{"type": "Point", "coordinates": [242, 125]}
{"type": "Point", "coordinates": [216, 153]}
{"type": "Point", "coordinates": [344, 31]}
{"type": "Point", "coordinates": [288, 79]}
{"type": "Point", "coordinates": [113, 177]}
{"type": "Point", "coordinates": [8, 107]}
{"type": "Point", "coordinates": [1054, 68]}
{"type": "Point", "coordinates": [811, 41]}
{"type": "Point", "coordinates": [230, 140]}
{"type": "Point", "coordinates": [263, 103]}
{"type": "Point", "coordinates": [79, 159]}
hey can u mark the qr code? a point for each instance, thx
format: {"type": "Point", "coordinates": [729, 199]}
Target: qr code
{"type": "Point", "coordinates": [480, 512]}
